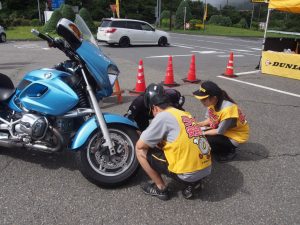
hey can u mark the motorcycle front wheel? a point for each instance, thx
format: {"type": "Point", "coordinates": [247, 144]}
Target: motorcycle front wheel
{"type": "Point", "coordinates": [98, 166]}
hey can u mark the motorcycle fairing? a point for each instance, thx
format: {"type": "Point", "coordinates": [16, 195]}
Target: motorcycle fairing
{"type": "Point", "coordinates": [98, 64]}
{"type": "Point", "coordinates": [91, 125]}
{"type": "Point", "coordinates": [45, 92]}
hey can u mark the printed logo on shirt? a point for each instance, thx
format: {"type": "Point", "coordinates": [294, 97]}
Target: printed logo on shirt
{"type": "Point", "coordinates": [214, 119]}
{"type": "Point", "coordinates": [191, 128]}
{"type": "Point", "coordinates": [202, 145]}
{"type": "Point", "coordinates": [195, 132]}
{"type": "Point", "coordinates": [242, 117]}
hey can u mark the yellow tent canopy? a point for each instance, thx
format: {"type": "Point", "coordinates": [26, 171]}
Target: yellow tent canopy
{"type": "Point", "coordinates": [292, 6]}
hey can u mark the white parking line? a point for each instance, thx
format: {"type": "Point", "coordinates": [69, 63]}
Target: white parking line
{"type": "Point", "coordinates": [200, 39]}
{"type": "Point", "coordinates": [206, 52]}
{"type": "Point", "coordinates": [216, 49]}
{"type": "Point", "coordinates": [27, 46]}
{"type": "Point", "coordinates": [261, 86]}
{"type": "Point", "coordinates": [256, 49]}
{"type": "Point", "coordinates": [241, 50]}
{"type": "Point", "coordinates": [183, 46]}
{"type": "Point", "coordinates": [225, 56]}
{"type": "Point", "coordinates": [213, 37]}
{"type": "Point", "coordinates": [166, 56]}
{"type": "Point", "coordinates": [249, 72]}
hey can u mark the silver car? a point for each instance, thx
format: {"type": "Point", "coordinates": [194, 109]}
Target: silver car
{"type": "Point", "coordinates": [2, 34]}
{"type": "Point", "coordinates": [125, 32]}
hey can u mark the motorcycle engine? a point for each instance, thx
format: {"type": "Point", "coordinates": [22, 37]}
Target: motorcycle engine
{"type": "Point", "coordinates": [33, 125]}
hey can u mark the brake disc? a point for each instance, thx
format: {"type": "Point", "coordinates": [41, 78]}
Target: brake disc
{"type": "Point", "coordinates": [115, 161]}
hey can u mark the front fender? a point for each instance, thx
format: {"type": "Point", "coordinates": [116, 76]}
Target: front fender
{"type": "Point", "coordinates": [91, 125]}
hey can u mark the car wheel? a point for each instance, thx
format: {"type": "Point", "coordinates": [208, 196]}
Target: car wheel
{"type": "Point", "coordinates": [163, 41]}
{"type": "Point", "coordinates": [124, 42]}
{"type": "Point", "coordinates": [2, 38]}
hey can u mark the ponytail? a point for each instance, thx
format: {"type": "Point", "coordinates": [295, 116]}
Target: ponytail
{"type": "Point", "coordinates": [221, 97]}
{"type": "Point", "coordinates": [226, 97]}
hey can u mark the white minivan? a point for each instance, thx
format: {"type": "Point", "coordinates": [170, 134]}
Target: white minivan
{"type": "Point", "coordinates": [125, 32]}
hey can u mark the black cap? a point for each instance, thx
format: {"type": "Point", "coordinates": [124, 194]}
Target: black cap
{"type": "Point", "coordinates": [207, 88]}
{"type": "Point", "coordinates": [159, 99]}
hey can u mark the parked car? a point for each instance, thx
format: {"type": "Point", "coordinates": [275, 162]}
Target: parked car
{"type": "Point", "coordinates": [125, 32]}
{"type": "Point", "coordinates": [2, 34]}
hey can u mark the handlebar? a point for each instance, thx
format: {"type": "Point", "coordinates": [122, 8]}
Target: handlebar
{"type": "Point", "coordinates": [42, 36]}
{"type": "Point", "coordinates": [56, 43]}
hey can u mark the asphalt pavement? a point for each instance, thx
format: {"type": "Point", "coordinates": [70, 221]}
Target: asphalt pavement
{"type": "Point", "coordinates": [260, 186]}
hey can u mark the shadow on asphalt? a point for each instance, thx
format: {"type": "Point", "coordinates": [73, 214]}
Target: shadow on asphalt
{"type": "Point", "coordinates": [12, 65]}
{"type": "Point", "coordinates": [103, 45]}
{"type": "Point", "coordinates": [65, 159]}
{"type": "Point", "coordinates": [113, 101]}
{"type": "Point", "coordinates": [251, 152]}
{"type": "Point", "coordinates": [224, 181]}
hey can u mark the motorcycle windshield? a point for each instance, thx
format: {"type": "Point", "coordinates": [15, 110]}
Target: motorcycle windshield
{"type": "Point", "coordinates": [85, 31]}
{"type": "Point", "coordinates": [97, 63]}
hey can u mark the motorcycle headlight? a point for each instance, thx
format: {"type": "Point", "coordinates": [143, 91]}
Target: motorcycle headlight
{"type": "Point", "coordinates": [113, 73]}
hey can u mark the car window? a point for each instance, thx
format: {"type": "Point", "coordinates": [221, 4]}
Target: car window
{"type": "Point", "coordinates": [119, 24]}
{"type": "Point", "coordinates": [146, 27]}
{"type": "Point", "coordinates": [105, 23]}
{"type": "Point", "coordinates": [134, 25]}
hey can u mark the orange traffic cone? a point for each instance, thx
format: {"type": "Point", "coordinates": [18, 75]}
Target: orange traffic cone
{"type": "Point", "coordinates": [118, 92]}
{"type": "Point", "coordinates": [140, 86]}
{"type": "Point", "coordinates": [169, 79]}
{"type": "Point", "coordinates": [229, 68]}
{"type": "Point", "coordinates": [191, 77]}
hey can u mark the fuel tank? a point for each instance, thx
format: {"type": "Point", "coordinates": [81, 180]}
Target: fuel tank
{"type": "Point", "coordinates": [45, 91]}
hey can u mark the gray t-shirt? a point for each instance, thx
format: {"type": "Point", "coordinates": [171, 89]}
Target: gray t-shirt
{"type": "Point", "coordinates": [164, 126]}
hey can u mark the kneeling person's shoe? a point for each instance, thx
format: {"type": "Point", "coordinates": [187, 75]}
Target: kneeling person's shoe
{"type": "Point", "coordinates": [189, 191]}
{"type": "Point", "coordinates": [152, 189]}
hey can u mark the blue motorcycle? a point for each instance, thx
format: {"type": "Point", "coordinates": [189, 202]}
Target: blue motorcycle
{"type": "Point", "coordinates": [56, 109]}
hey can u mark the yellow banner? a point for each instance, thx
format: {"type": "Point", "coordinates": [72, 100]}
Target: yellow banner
{"type": "Point", "coordinates": [281, 64]}
{"type": "Point", "coordinates": [286, 5]}
{"type": "Point", "coordinates": [205, 13]}
{"type": "Point", "coordinates": [259, 1]}
{"type": "Point", "coordinates": [118, 8]}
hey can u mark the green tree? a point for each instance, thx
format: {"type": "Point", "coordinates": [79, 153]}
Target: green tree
{"type": "Point", "coordinates": [242, 24]}
{"type": "Point", "coordinates": [67, 12]}
{"type": "Point", "coordinates": [197, 9]}
{"type": "Point", "coordinates": [232, 13]}
{"type": "Point", "coordinates": [180, 14]}
{"type": "Point", "coordinates": [165, 14]}
{"type": "Point", "coordinates": [220, 20]}
{"type": "Point", "coordinates": [50, 26]}
{"type": "Point", "coordinates": [100, 9]}
{"type": "Point", "coordinates": [85, 15]}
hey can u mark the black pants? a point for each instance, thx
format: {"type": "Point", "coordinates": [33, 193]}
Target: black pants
{"type": "Point", "coordinates": [158, 162]}
{"type": "Point", "coordinates": [220, 144]}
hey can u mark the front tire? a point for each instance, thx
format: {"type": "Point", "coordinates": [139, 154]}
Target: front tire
{"type": "Point", "coordinates": [2, 37]}
{"type": "Point", "coordinates": [96, 164]}
{"type": "Point", "coordinates": [124, 42]}
{"type": "Point", "coordinates": [163, 41]}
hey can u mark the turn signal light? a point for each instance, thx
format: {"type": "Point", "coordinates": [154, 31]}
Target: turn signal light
{"type": "Point", "coordinates": [111, 30]}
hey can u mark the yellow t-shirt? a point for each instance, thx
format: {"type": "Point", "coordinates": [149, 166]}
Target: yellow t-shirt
{"type": "Point", "coordinates": [239, 133]}
{"type": "Point", "coordinates": [190, 151]}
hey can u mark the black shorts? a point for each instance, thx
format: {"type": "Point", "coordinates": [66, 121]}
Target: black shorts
{"type": "Point", "coordinates": [157, 160]}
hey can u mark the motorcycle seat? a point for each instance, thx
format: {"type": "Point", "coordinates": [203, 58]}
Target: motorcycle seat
{"type": "Point", "coordinates": [7, 88]}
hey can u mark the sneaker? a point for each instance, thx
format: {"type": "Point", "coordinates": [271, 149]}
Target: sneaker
{"type": "Point", "coordinates": [152, 189]}
{"type": "Point", "coordinates": [189, 191]}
